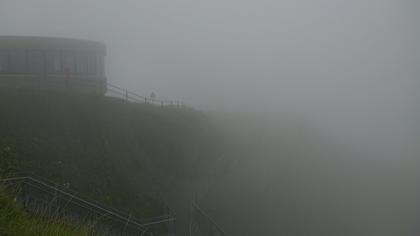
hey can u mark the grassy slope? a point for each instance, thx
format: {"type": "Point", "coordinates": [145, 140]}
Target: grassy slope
{"type": "Point", "coordinates": [14, 221]}
{"type": "Point", "coordinates": [117, 153]}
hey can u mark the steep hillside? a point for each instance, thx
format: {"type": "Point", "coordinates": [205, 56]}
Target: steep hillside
{"type": "Point", "coordinates": [122, 154]}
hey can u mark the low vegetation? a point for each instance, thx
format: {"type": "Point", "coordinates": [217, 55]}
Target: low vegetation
{"type": "Point", "coordinates": [121, 154]}
{"type": "Point", "coordinates": [15, 221]}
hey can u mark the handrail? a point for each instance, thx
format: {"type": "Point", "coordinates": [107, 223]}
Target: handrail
{"type": "Point", "coordinates": [127, 93]}
{"type": "Point", "coordinates": [50, 183]}
{"type": "Point", "coordinates": [201, 211]}
{"type": "Point", "coordinates": [108, 87]}
{"type": "Point", "coordinates": [94, 205]}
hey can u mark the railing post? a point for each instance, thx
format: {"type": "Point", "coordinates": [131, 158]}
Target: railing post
{"type": "Point", "coordinates": [126, 95]}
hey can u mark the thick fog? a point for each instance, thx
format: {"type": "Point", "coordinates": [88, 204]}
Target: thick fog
{"type": "Point", "coordinates": [349, 65]}
{"type": "Point", "coordinates": [348, 69]}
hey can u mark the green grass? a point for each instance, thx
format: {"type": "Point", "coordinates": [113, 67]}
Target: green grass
{"type": "Point", "coordinates": [15, 222]}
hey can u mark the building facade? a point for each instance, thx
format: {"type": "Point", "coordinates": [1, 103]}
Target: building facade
{"type": "Point", "coordinates": [52, 63]}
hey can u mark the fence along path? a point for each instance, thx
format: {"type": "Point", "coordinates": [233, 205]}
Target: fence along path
{"type": "Point", "coordinates": [81, 84]}
{"type": "Point", "coordinates": [116, 91]}
{"type": "Point", "coordinates": [122, 93]}
{"type": "Point", "coordinates": [118, 219]}
{"type": "Point", "coordinates": [202, 224]}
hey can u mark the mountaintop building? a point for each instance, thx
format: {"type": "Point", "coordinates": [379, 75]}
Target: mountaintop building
{"type": "Point", "coordinates": [52, 63]}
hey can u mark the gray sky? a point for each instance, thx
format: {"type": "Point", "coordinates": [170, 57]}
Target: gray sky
{"type": "Point", "coordinates": [349, 65]}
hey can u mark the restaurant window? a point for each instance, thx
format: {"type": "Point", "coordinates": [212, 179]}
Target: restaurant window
{"type": "Point", "coordinates": [54, 62]}
{"type": "Point", "coordinates": [82, 64]}
{"type": "Point", "coordinates": [69, 62]}
{"type": "Point", "coordinates": [100, 70]}
{"type": "Point", "coordinates": [17, 59]}
{"type": "Point", "coordinates": [4, 61]}
{"type": "Point", "coordinates": [36, 61]}
{"type": "Point", "coordinates": [92, 64]}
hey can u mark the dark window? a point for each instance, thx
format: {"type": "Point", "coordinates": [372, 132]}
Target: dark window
{"type": "Point", "coordinates": [4, 61]}
{"type": "Point", "coordinates": [36, 62]}
{"type": "Point", "coordinates": [92, 64]}
{"type": "Point", "coordinates": [101, 66]}
{"type": "Point", "coordinates": [17, 61]}
{"type": "Point", "coordinates": [54, 62]}
{"type": "Point", "coordinates": [82, 64]}
{"type": "Point", "coordinates": [69, 62]}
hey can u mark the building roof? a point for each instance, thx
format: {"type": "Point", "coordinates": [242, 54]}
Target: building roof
{"type": "Point", "coordinates": [45, 43]}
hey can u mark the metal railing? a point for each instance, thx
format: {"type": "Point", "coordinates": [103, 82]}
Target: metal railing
{"type": "Point", "coordinates": [34, 192]}
{"type": "Point", "coordinates": [90, 84]}
{"type": "Point", "coordinates": [116, 91]}
{"type": "Point", "coordinates": [202, 224]}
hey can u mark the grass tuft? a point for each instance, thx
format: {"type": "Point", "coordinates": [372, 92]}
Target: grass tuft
{"type": "Point", "coordinates": [15, 221]}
